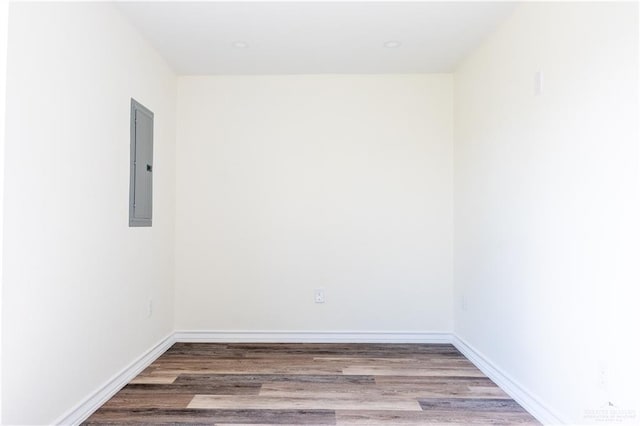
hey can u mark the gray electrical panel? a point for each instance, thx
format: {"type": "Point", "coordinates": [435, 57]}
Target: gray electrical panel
{"type": "Point", "coordinates": [141, 168]}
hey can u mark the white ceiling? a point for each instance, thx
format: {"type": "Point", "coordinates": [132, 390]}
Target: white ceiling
{"type": "Point", "coordinates": [314, 37]}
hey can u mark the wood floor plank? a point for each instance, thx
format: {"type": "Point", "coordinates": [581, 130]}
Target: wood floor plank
{"type": "Point", "coordinates": [467, 404]}
{"type": "Point", "coordinates": [431, 360]}
{"type": "Point", "coordinates": [192, 388]}
{"type": "Point", "coordinates": [253, 424]}
{"type": "Point", "coordinates": [435, 380]}
{"type": "Point", "coordinates": [124, 401]}
{"type": "Point", "coordinates": [309, 384]}
{"type": "Point", "coordinates": [224, 379]}
{"type": "Point", "coordinates": [425, 363]}
{"type": "Point", "coordinates": [330, 390]}
{"type": "Point", "coordinates": [292, 403]}
{"type": "Point", "coordinates": [257, 370]}
{"type": "Point", "coordinates": [415, 418]}
{"type": "Point", "coordinates": [218, 417]}
{"type": "Point", "coordinates": [299, 367]}
{"type": "Point", "coordinates": [270, 350]}
{"type": "Point", "coordinates": [155, 378]}
{"type": "Point", "coordinates": [406, 371]}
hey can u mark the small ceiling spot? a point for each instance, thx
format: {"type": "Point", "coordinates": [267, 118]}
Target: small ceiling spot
{"type": "Point", "coordinates": [392, 44]}
{"type": "Point", "coordinates": [240, 44]}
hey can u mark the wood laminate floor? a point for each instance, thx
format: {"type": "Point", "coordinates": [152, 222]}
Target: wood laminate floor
{"type": "Point", "coordinates": [312, 384]}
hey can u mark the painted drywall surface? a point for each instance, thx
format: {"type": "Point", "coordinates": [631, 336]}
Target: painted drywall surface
{"type": "Point", "coordinates": [290, 183]}
{"type": "Point", "coordinates": [77, 279]}
{"type": "Point", "coordinates": [546, 204]}
{"type": "Point", "coordinates": [4, 19]}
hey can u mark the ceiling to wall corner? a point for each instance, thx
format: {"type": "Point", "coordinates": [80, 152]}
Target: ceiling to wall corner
{"type": "Point", "coordinates": [201, 38]}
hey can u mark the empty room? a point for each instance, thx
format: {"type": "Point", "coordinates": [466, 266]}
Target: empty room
{"type": "Point", "coordinates": [319, 213]}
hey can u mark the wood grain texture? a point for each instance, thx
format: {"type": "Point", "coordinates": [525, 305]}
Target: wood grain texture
{"type": "Point", "coordinates": [311, 384]}
{"type": "Point", "coordinates": [292, 401]}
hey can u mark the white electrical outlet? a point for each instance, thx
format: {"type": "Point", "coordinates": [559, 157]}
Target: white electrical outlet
{"type": "Point", "coordinates": [463, 302]}
{"type": "Point", "coordinates": [318, 295]}
{"type": "Point", "coordinates": [602, 375]}
{"type": "Point", "coordinates": [150, 308]}
{"type": "Point", "coordinates": [538, 83]}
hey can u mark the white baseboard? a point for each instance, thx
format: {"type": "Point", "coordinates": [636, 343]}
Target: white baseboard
{"type": "Point", "coordinates": [516, 391]}
{"type": "Point", "coordinates": [84, 409]}
{"type": "Point", "coordinates": [242, 336]}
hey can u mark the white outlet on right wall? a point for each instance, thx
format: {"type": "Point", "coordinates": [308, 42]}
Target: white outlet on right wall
{"type": "Point", "coordinates": [538, 82]}
{"type": "Point", "coordinates": [318, 295]}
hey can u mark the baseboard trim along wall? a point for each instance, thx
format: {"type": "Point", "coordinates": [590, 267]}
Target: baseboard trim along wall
{"type": "Point", "coordinates": [530, 402]}
{"type": "Point", "coordinates": [84, 409]}
{"type": "Point", "coordinates": [516, 391]}
{"type": "Point", "coordinates": [242, 336]}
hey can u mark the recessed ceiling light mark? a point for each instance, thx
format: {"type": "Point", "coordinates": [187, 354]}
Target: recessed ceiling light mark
{"type": "Point", "coordinates": [240, 44]}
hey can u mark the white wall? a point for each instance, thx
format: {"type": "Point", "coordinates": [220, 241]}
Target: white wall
{"type": "Point", "coordinates": [546, 204]}
{"type": "Point", "coordinates": [4, 20]}
{"type": "Point", "coordinates": [77, 279]}
{"type": "Point", "coordinates": [289, 183]}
